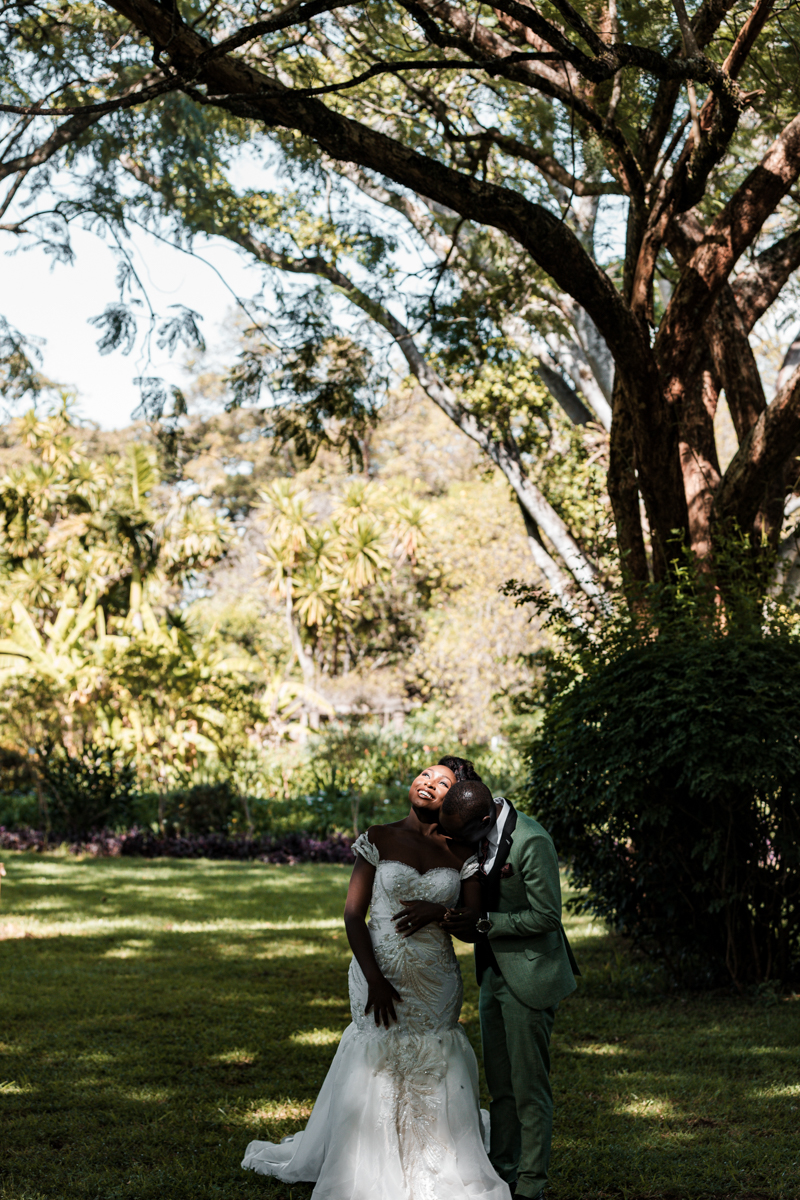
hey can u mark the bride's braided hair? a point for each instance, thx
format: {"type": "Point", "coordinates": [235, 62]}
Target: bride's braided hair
{"type": "Point", "coordinates": [462, 768]}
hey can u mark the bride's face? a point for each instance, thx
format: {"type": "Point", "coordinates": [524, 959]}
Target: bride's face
{"type": "Point", "coordinates": [429, 790]}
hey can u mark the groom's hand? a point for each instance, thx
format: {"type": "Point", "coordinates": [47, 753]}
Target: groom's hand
{"type": "Point", "coordinates": [382, 997]}
{"type": "Point", "coordinates": [460, 922]}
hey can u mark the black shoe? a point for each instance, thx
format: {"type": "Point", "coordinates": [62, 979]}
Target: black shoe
{"type": "Point", "coordinates": [519, 1196]}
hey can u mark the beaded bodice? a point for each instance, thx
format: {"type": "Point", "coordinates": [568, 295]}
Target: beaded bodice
{"type": "Point", "coordinates": [422, 967]}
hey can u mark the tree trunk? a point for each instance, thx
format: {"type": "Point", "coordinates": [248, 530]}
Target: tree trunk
{"type": "Point", "coordinates": [304, 660]}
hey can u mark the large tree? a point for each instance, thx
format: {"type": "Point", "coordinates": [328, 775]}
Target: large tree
{"type": "Point", "coordinates": [497, 135]}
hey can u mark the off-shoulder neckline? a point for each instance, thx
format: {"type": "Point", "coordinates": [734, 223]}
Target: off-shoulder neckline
{"type": "Point", "coordinates": [398, 862]}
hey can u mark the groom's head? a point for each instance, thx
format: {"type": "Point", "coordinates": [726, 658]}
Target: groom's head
{"type": "Point", "coordinates": [468, 812]}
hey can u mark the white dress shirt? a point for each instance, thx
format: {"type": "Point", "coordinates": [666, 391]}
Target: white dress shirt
{"type": "Point", "coordinates": [492, 839]}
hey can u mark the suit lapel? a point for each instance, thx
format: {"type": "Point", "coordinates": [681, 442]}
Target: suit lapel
{"type": "Point", "coordinates": [492, 882]}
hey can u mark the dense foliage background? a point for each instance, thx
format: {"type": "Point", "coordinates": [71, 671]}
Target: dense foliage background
{"type": "Point", "coordinates": [575, 228]}
{"type": "Point", "coordinates": [201, 636]}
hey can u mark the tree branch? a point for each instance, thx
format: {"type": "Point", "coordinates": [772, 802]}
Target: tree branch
{"type": "Point", "coordinates": [237, 87]}
{"type": "Point", "coordinates": [240, 89]}
{"type": "Point", "coordinates": [772, 440]}
{"type": "Point", "coordinates": [565, 395]}
{"type": "Point", "coordinates": [544, 162]}
{"type": "Point", "coordinates": [563, 86]}
{"type": "Point", "coordinates": [735, 363]}
{"type": "Point", "coordinates": [760, 283]}
{"type": "Point", "coordinates": [128, 99]}
{"type": "Point", "coordinates": [291, 15]}
{"type": "Point", "coordinates": [623, 491]}
{"type": "Point", "coordinates": [725, 241]}
{"type": "Point", "coordinates": [561, 584]}
{"type": "Point", "coordinates": [502, 453]}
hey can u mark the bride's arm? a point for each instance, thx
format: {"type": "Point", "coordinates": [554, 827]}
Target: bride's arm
{"type": "Point", "coordinates": [381, 995]}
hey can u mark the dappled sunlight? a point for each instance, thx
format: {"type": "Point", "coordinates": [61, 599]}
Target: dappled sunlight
{"type": "Point", "coordinates": [600, 1048]}
{"type": "Point", "coordinates": [282, 1112]}
{"type": "Point", "coordinates": [172, 1026]}
{"type": "Point", "coordinates": [790, 1091]}
{"type": "Point", "coordinates": [237, 1057]}
{"type": "Point", "coordinates": [10, 1087]}
{"type": "Point", "coordinates": [652, 1108]}
{"type": "Point", "coordinates": [287, 949]}
{"type": "Point", "coordinates": [317, 1037]}
{"type": "Point", "coordinates": [130, 948]}
{"type": "Point", "coordinates": [15, 929]}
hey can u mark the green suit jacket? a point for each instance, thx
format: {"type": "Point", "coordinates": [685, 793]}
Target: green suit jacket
{"type": "Point", "coordinates": [523, 892]}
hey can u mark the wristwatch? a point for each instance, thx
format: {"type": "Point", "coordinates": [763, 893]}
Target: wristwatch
{"type": "Point", "coordinates": [484, 924]}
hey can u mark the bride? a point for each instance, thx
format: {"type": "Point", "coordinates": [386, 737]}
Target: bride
{"type": "Point", "coordinates": [397, 1117]}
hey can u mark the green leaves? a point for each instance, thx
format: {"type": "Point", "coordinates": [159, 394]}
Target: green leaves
{"type": "Point", "coordinates": [91, 549]}
{"type": "Point", "coordinates": [331, 571]}
{"type": "Point", "coordinates": [668, 774]}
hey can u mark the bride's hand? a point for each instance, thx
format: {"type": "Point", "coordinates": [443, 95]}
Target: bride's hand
{"type": "Point", "coordinates": [382, 996]}
{"type": "Point", "coordinates": [416, 915]}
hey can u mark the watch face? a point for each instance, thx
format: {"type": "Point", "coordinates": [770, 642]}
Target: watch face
{"type": "Point", "coordinates": [484, 925]}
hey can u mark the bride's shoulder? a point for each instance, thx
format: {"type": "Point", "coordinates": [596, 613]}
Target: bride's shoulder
{"type": "Point", "coordinates": [373, 844]}
{"type": "Point", "coordinates": [381, 835]}
{"type": "Point", "coordinates": [467, 860]}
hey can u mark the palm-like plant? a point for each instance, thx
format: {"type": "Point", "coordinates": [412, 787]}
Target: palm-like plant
{"type": "Point", "coordinates": [364, 552]}
{"type": "Point", "coordinates": [87, 549]}
{"type": "Point", "coordinates": [407, 527]}
{"type": "Point", "coordinates": [325, 569]}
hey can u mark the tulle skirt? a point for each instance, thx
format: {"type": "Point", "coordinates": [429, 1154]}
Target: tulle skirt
{"type": "Point", "coordinates": [397, 1118]}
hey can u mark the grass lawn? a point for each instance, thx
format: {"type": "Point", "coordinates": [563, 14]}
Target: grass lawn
{"type": "Point", "coordinates": [156, 1016]}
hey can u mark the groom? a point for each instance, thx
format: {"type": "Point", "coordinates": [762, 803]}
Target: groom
{"type": "Point", "coordinates": [524, 966]}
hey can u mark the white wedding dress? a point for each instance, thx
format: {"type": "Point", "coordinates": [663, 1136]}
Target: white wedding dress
{"type": "Point", "coordinates": [397, 1117]}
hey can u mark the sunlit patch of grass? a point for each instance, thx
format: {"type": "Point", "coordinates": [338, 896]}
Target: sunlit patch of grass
{"type": "Point", "coordinates": [155, 1017]}
{"type": "Point", "coordinates": [282, 1112]}
{"type": "Point", "coordinates": [317, 1037]}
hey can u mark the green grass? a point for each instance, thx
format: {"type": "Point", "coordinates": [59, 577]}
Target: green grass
{"type": "Point", "coordinates": [156, 1016]}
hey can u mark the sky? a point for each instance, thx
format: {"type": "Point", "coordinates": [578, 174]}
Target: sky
{"type": "Point", "coordinates": [55, 302]}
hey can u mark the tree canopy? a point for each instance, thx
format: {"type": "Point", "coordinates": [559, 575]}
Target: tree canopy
{"type": "Point", "coordinates": [600, 201]}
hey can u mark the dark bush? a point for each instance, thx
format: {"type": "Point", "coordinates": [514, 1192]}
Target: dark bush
{"type": "Point", "coordinates": [16, 771]}
{"type": "Point", "coordinates": [204, 808]}
{"type": "Point", "coordinates": [87, 791]}
{"type": "Point", "coordinates": [291, 848]}
{"type": "Point", "coordinates": [669, 775]}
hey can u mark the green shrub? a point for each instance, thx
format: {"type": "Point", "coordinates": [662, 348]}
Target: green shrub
{"type": "Point", "coordinates": [88, 791]}
{"type": "Point", "coordinates": [20, 810]}
{"type": "Point", "coordinates": [346, 775]}
{"type": "Point", "coordinates": [669, 776]}
{"type": "Point", "coordinates": [204, 808]}
{"type": "Point", "coordinates": [19, 802]}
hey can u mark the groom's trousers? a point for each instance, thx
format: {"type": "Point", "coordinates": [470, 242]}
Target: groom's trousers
{"type": "Point", "coordinates": [516, 1055]}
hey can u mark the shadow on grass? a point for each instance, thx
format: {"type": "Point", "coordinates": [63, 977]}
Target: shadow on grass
{"type": "Point", "coordinates": [177, 1053]}
{"type": "Point", "coordinates": [139, 1059]}
{"type": "Point", "coordinates": [146, 1037]}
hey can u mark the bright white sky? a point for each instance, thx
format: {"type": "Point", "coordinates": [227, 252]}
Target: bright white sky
{"type": "Point", "coordinates": [55, 302]}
